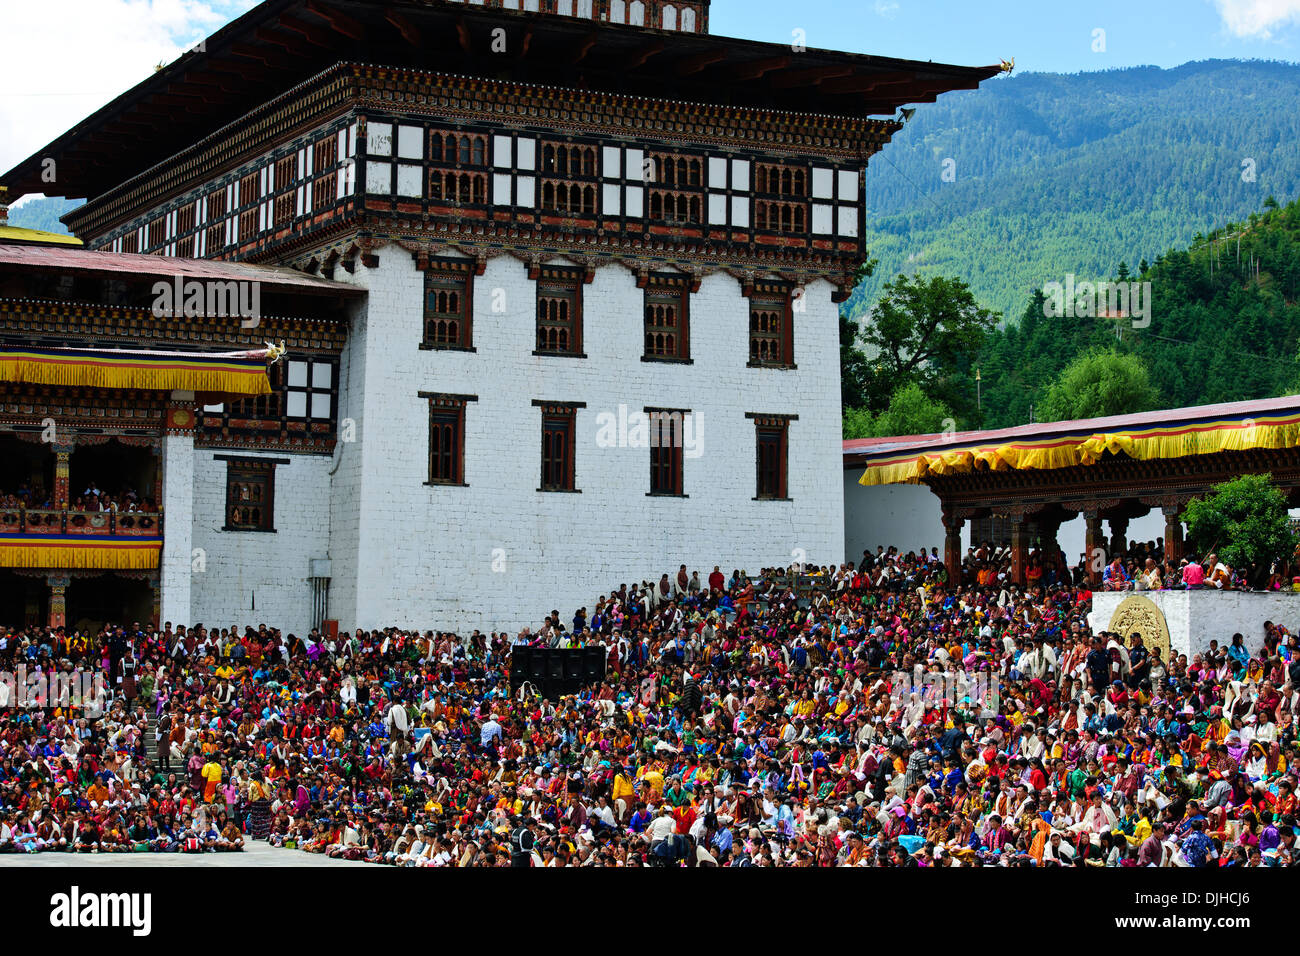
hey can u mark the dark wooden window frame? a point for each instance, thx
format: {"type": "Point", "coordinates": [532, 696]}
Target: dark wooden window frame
{"type": "Point", "coordinates": [559, 423]}
{"type": "Point", "coordinates": [467, 170]}
{"type": "Point", "coordinates": [453, 276]}
{"type": "Point", "coordinates": [552, 282]}
{"type": "Point", "coordinates": [772, 430]}
{"type": "Point", "coordinates": [266, 418]}
{"type": "Point", "coordinates": [242, 470]}
{"type": "Point", "coordinates": [667, 478]}
{"type": "Point", "coordinates": [665, 289]}
{"type": "Point", "coordinates": [448, 410]}
{"type": "Point", "coordinates": [771, 297]}
{"type": "Point", "coordinates": [284, 207]}
{"type": "Point", "coordinates": [569, 175]}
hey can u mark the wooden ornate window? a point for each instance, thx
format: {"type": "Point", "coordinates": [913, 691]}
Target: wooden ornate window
{"type": "Point", "coordinates": [458, 149]}
{"type": "Point", "coordinates": [568, 178]}
{"type": "Point", "coordinates": [250, 195]}
{"type": "Point", "coordinates": [667, 438]}
{"type": "Point", "coordinates": [157, 230]}
{"type": "Point", "coordinates": [216, 216]}
{"type": "Point", "coordinates": [772, 455]}
{"type": "Point", "coordinates": [558, 443]}
{"type": "Point", "coordinates": [771, 329]}
{"type": "Point", "coordinates": [569, 159]}
{"type": "Point", "coordinates": [301, 409]}
{"type": "Point", "coordinates": [667, 318]}
{"type": "Point", "coordinates": [776, 180]}
{"type": "Point", "coordinates": [674, 169]}
{"type": "Point", "coordinates": [447, 437]}
{"type": "Point", "coordinates": [456, 156]}
{"type": "Point", "coordinates": [448, 304]}
{"type": "Point", "coordinates": [789, 213]}
{"type": "Point", "coordinates": [669, 206]}
{"type": "Point", "coordinates": [185, 231]}
{"type": "Point", "coordinates": [461, 188]}
{"type": "Point", "coordinates": [286, 203]}
{"type": "Point", "coordinates": [250, 493]}
{"type": "Point", "coordinates": [559, 311]}
{"type": "Point", "coordinates": [676, 191]}
{"type": "Point", "coordinates": [131, 241]}
{"type": "Point", "coordinates": [780, 216]}
{"type": "Point", "coordinates": [325, 189]}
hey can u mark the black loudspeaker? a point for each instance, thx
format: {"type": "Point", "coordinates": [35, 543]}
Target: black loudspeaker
{"type": "Point", "coordinates": [537, 664]}
{"type": "Point", "coordinates": [556, 673]}
{"type": "Point", "coordinates": [594, 659]}
{"type": "Point", "coordinates": [575, 667]}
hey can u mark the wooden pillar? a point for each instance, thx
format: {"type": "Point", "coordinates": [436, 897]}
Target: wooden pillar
{"type": "Point", "coordinates": [1118, 535]}
{"type": "Point", "coordinates": [155, 585]}
{"type": "Point", "coordinates": [1173, 533]}
{"type": "Point", "coordinates": [952, 549]}
{"type": "Point", "coordinates": [62, 463]}
{"type": "Point", "coordinates": [1019, 548]}
{"type": "Point", "coordinates": [1049, 530]}
{"type": "Point", "coordinates": [58, 585]}
{"type": "Point", "coordinates": [1095, 546]}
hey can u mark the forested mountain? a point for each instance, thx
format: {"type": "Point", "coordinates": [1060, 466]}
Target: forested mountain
{"type": "Point", "coordinates": [1224, 326]}
{"type": "Point", "coordinates": [43, 214]}
{"type": "Point", "coordinates": [1058, 175]}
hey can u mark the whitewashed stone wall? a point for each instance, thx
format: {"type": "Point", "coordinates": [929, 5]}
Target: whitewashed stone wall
{"type": "Point", "coordinates": [1195, 618]}
{"type": "Point", "coordinates": [253, 577]}
{"type": "Point", "coordinates": [907, 517]}
{"type": "Point", "coordinates": [178, 518]}
{"type": "Point", "coordinates": [409, 554]}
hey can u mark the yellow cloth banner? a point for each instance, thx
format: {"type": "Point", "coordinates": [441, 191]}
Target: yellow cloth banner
{"type": "Point", "coordinates": [1202, 438]}
{"type": "Point", "coordinates": [100, 369]}
{"type": "Point", "coordinates": [35, 552]}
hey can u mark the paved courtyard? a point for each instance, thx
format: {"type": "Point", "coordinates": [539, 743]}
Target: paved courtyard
{"type": "Point", "coordinates": [254, 854]}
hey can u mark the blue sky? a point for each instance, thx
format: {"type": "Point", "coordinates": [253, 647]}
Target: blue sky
{"type": "Point", "coordinates": [1053, 36]}
{"type": "Point", "coordinates": [65, 58]}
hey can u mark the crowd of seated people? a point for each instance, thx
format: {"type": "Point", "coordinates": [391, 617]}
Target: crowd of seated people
{"type": "Point", "coordinates": [866, 714]}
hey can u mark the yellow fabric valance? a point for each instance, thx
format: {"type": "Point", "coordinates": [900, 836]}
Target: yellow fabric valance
{"type": "Point", "coordinates": [1056, 451]}
{"type": "Point", "coordinates": [231, 373]}
{"type": "Point", "coordinates": [71, 551]}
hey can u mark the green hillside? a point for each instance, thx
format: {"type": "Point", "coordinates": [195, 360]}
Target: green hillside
{"type": "Point", "coordinates": [1225, 326]}
{"type": "Point", "coordinates": [43, 214]}
{"type": "Point", "coordinates": [1076, 174]}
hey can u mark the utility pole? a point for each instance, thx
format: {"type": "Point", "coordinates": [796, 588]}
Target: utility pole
{"type": "Point", "coordinates": [979, 400]}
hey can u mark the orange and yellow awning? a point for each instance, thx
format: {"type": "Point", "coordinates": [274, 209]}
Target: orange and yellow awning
{"type": "Point", "coordinates": [73, 552]}
{"type": "Point", "coordinates": [231, 373]}
{"type": "Point", "coordinates": [912, 463]}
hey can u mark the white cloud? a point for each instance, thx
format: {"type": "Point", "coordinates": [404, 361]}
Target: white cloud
{"type": "Point", "coordinates": [64, 59]}
{"type": "Point", "coordinates": [886, 8]}
{"type": "Point", "coordinates": [1257, 18]}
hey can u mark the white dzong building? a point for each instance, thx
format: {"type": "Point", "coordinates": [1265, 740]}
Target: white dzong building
{"type": "Point", "coordinates": [582, 263]}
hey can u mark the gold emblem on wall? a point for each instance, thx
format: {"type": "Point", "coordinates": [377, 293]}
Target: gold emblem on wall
{"type": "Point", "coordinates": [1140, 614]}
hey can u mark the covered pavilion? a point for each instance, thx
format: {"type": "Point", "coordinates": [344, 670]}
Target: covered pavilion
{"type": "Point", "coordinates": [1105, 469]}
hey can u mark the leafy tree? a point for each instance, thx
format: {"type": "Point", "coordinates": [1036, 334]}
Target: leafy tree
{"type": "Point", "coordinates": [858, 423]}
{"type": "Point", "coordinates": [912, 412]}
{"type": "Point", "coordinates": [922, 332]}
{"type": "Point", "coordinates": [1245, 521]}
{"type": "Point", "coordinates": [854, 369]}
{"type": "Point", "coordinates": [1101, 383]}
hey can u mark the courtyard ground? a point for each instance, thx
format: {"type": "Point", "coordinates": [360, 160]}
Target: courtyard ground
{"type": "Point", "coordinates": [254, 854]}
